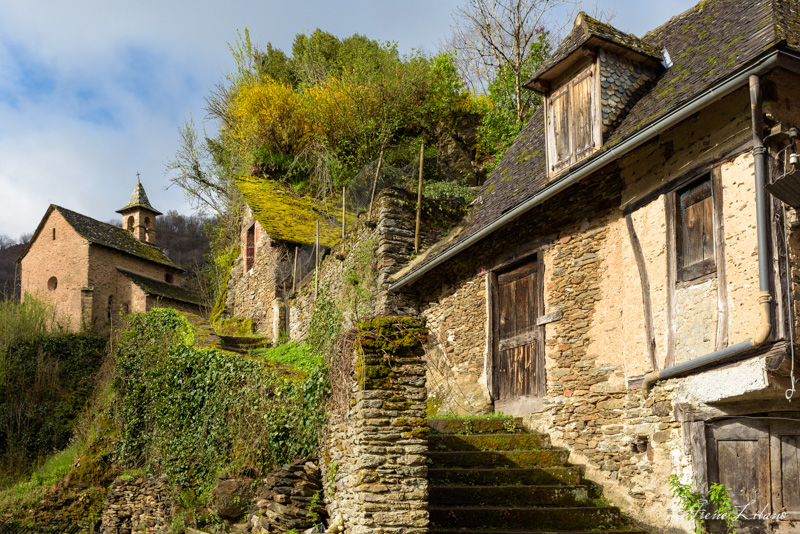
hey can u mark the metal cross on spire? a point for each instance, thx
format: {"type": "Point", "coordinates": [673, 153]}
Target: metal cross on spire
{"type": "Point", "coordinates": [137, 177]}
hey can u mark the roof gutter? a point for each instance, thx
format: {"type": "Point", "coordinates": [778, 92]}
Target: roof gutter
{"type": "Point", "coordinates": [659, 126]}
{"type": "Point", "coordinates": [762, 225]}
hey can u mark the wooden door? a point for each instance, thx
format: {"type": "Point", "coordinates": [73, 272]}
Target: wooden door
{"type": "Point", "coordinates": [518, 369]}
{"type": "Point", "coordinates": [739, 457]}
{"type": "Point", "coordinates": [785, 468]}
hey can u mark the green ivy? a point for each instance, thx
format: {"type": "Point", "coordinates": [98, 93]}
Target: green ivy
{"type": "Point", "coordinates": [193, 413]}
{"type": "Point", "coordinates": [694, 504]}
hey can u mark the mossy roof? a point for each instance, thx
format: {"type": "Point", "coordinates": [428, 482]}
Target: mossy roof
{"type": "Point", "coordinates": [106, 235]}
{"type": "Point", "coordinates": [138, 200]}
{"type": "Point", "coordinates": [286, 216]}
{"type": "Point", "coordinates": [159, 288]}
{"type": "Point", "coordinates": [587, 28]}
{"type": "Point", "coordinates": [707, 44]}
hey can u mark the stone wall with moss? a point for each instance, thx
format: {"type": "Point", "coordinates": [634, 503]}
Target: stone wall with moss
{"type": "Point", "coordinates": [375, 472]}
{"type": "Point", "coordinates": [355, 274]}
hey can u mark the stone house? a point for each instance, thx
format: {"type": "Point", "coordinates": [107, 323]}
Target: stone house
{"type": "Point", "coordinates": [626, 277]}
{"type": "Point", "coordinates": [93, 271]}
{"type": "Point", "coordinates": [283, 236]}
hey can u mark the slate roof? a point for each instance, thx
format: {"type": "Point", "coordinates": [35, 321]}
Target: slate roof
{"type": "Point", "coordinates": [288, 217]}
{"type": "Point", "coordinates": [139, 200]}
{"type": "Point", "coordinates": [158, 288]}
{"type": "Point", "coordinates": [585, 29]}
{"type": "Point", "coordinates": [106, 235]}
{"type": "Point", "coordinates": [707, 44]}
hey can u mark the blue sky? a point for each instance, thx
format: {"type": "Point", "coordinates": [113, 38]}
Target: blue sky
{"type": "Point", "coordinates": [92, 92]}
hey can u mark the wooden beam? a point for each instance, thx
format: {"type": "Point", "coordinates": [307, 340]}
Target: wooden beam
{"type": "Point", "coordinates": [644, 280]}
{"type": "Point", "coordinates": [419, 199]}
{"type": "Point", "coordinates": [719, 251]}
{"type": "Point", "coordinates": [375, 185]}
{"type": "Point", "coordinates": [672, 276]}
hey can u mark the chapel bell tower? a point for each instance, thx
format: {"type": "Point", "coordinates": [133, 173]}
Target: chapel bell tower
{"type": "Point", "coordinates": [139, 217]}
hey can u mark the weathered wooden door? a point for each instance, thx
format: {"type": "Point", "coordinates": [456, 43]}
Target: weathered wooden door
{"type": "Point", "coordinates": [738, 457]}
{"type": "Point", "coordinates": [785, 469]}
{"type": "Point", "coordinates": [518, 369]}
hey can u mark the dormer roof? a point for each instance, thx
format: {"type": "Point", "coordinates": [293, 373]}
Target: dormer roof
{"type": "Point", "coordinates": [138, 200]}
{"type": "Point", "coordinates": [586, 36]}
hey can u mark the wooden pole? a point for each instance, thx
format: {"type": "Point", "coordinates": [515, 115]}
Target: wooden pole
{"type": "Point", "coordinates": [344, 213]}
{"type": "Point", "coordinates": [294, 272]}
{"type": "Point", "coordinates": [375, 185]}
{"type": "Point", "coordinates": [316, 263]}
{"type": "Point", "coordinates": [419, 199]}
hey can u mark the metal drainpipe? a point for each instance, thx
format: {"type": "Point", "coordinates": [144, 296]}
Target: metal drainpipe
{"type": "Point", "coordinates": [762, 226]}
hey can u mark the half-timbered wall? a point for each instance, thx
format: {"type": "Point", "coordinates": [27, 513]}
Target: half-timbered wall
{"type": "Point", "coordinates": [615, 308]}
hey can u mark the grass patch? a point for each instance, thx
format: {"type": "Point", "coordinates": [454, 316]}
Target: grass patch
{"type": "Point", "coordinates": [295, 354]}
{"type": "Point", "coordinates": [495, 415]}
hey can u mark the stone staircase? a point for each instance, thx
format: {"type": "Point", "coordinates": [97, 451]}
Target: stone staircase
{"type": "Point", "coordinates": [493, 476]}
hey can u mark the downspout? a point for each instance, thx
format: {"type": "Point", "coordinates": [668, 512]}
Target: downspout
{"type": "Point", "coordinates": [762, 226]}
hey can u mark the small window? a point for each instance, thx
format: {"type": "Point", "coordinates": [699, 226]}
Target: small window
{"type": "Point", "coordinates": [249, 248]}
{"type": "Point", "coordinates": [695, 232]}
{"type": "Point", "coordinates": [110, 306]}
{"type": "Point", "coordinates": [130, 223]}
{"type": "Point", "coordinates": [168, 278]}
{"type": "Point", "coordinates": [125, 307]}
{"type": "Point", "coordinates": [570, 121]}
{"type": "Point", "coordinates": [54, 234]}
{"type": "Point", "coordinates": [52, 283]}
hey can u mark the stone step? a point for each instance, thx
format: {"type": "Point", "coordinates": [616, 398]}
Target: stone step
{"type": "Point", "coordinates": [509, 495]}
{"type": "Point", "coordinates": [482, 531]}
{"type": "Point", "coordinates": [488, 442]}
{"type": "Point", "coordinates": [494, 425]}
{"type": "Point", "coordinates": [568, 476]}
{"type": "Point", "coordinates": [543, 518]}
{"type": "Point", "coordinates": [537, 458]}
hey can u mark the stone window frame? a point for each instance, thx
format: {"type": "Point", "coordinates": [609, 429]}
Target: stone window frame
{"type": "Point", "coordinates": [564, 89]}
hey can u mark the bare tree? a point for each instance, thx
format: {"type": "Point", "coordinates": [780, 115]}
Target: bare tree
{"type": "Point", "coordinates": [491, 35]}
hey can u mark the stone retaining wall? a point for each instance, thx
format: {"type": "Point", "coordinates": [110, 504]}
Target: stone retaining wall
{"type": "Point", "coordinates": [388, 243]}
{"type": "Point", "coordinates": [375, 477]}
{"type": "Point", "coordinates": [140, 505]}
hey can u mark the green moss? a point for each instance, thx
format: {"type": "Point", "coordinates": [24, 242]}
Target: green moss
{"type": "Point", "coordinates": [287, 216]}
{"type": "Point", "coordinates": [421, 432]}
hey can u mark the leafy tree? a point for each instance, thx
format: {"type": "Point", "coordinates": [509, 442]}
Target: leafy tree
{"type": "Point", "coordinates": [501, 123]}
{"type": "Point", "coordinates": [491, 36]}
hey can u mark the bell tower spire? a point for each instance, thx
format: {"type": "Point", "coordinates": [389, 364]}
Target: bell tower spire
{"type": "Point", "coordinates": [138, 216]}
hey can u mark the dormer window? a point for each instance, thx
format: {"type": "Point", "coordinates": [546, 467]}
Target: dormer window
{"type": "Point", "coordinates": [590, 83]}
{"type": "Point", "coordinates": [571, 119]}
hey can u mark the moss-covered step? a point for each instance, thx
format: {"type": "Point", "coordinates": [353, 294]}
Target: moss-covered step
{"type": "Point", "coordinates": [509, 495]}
{"type": "Point", "coordinates": [483, 531]}
{"type": "Point", "coordinates": [569, 476]}
{"type": "Point", "coordinates": [541, 518]}
{"type": "Point", "coordinates": [488, 442]}
{"type": "Point", "coordinates": [493, 425]}
{"type": "Point", "coordinates": [535, 458]}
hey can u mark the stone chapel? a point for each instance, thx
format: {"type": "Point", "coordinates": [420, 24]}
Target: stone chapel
{"type": "Point", "coordinates": [94, 271]}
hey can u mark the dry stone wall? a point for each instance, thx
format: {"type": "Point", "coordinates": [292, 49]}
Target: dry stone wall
{"type": "Point", "coordinates": [375, 477]}
{"type": "Point", "coordinates": [385, 244]}
{"type": "Point", "coordinates": [140, 505]}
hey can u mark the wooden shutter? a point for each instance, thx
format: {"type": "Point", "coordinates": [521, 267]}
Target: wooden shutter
{"type": "Point", "coordinates": [696, 232]}
{"type": "Point", "coordinates": [581, 115]}
{"type": "Point", "coordinates": [739, 457]}
{"type": "Point", "coordinates": [517, 370]}
{"type": "Point", "coordinates": [559, 121]}
{"type": "Point", "coordinates": [785, 460]}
